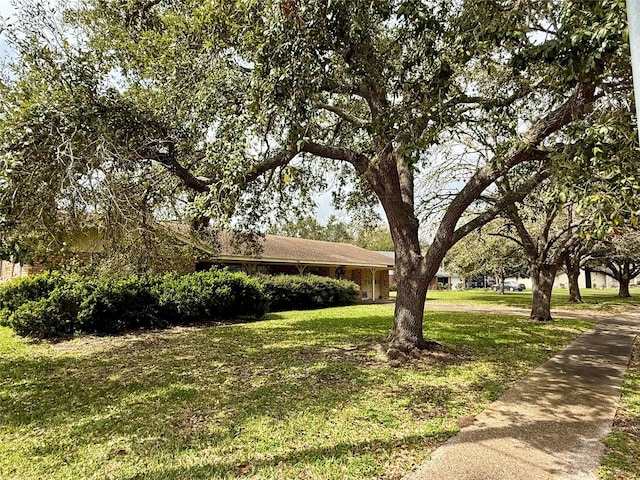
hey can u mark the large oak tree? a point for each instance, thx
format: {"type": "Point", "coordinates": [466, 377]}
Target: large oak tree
{"type": "Point", "coordinates": [238, 109]}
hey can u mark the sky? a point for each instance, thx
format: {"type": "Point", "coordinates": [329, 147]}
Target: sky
{"type": "Point", "coordinates": [6, 10]}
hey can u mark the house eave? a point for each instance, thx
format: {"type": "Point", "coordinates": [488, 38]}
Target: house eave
{"type": "Point", "coordinates": [282, 261]}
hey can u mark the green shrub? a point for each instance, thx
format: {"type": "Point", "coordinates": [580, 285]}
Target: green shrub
{"type": "Point", "coordinates": [21, 290]}
{"type": "Point", "coordinates": [51, 316]}
{"type": "Point", "coordinates": [289, 292]}
{"type": "Point", "coordinates": [214, 294]}
{"type": "Point", "coordinates": [121, 303]}
{"type": "Point", "coordinates": [57, 305]}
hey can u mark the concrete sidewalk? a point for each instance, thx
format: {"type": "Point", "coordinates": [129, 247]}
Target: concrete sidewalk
{"type": "Point", "coordinates": [551, 424]}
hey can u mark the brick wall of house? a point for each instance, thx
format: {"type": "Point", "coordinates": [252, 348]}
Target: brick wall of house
{"type": "Point", "coordinates": [384, 283]}
{"type": "Point", "coordinates": [355, 277]}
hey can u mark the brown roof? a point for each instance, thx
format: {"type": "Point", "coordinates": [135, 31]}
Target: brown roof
{"type": "Point", "coordinates": [289, 250]}
{"type": "Point", "coordinates": [300, 250]}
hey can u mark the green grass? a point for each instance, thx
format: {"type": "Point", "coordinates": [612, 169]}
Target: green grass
{"type": "Point", "coordinates": [301, 395]}
{"type": "Point", "coordinates": [622, 458]}
{"type": "Point", "coordinates": [603, 300]}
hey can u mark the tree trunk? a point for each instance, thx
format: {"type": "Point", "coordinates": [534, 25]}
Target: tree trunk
{"type": "Point", "coordinates": [409, 312]}
{"type": "Point", "coordinates": [394, 183]}
{"type": "Point", "coordinates": [623, 290]}
{"type": "Point", "coordinates": [573, 273]}
{"type": "Point", "coordinates": [543, 277]}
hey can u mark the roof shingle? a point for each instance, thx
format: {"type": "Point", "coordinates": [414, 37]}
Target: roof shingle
{"type": "Point", "coordinates": [278, 249]}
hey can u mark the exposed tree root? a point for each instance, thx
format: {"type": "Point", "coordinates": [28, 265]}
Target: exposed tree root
{"type": "Point", "coordinates": [400, 354]}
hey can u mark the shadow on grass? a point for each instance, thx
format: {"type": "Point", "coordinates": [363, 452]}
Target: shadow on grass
{"type": "Point", "coordinates": [308, 456]}
{"type": "Point", "coordinates": [201, 386]}
{"type": "Point", "coordinates": [267, 369]}
{"type": "Point", "coordinates": [481, 296]}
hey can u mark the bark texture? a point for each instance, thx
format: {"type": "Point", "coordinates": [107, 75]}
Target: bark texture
{"type": "Point", "coordinates": [397, 199]}
{"type": "Point", "coordinates": [407, 331]}
{"type": "Point", "coordinates": [573, 274]}
{"type": "Point", "coordinates": [543, 277]}
{"type": "Point", "coordinates": [623, 290]}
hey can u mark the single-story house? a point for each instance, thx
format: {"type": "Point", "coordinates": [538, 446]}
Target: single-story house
{"type": "Point", "coordinates": [270, 254]}
{"type": "Point", "coordinates": [589, 279]}
{"type": "Point", "coordinates": [287, 255]}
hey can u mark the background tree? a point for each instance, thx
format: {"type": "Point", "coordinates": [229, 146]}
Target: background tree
{"type": "Point", "coordinates": [483, 253]}
{"type": "Point", "coordinates": [377, 238]}
{"type": "Point", "coordinates": [238, 110]}
{"type": "Point", "coordinates": [618, 256]}
{"type": "Point", "coordinates": [370, 236]}
{"type": "Point", "coordinates": [309, 227]}
{"type": "Point", "coordinates": [547, 230]}
{"type": "Point", "coordinates": [574, 262]}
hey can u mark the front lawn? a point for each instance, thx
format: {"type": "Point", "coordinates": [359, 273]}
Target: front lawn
{"type": "Point", "coordinates": [603, 300]}
{"type": "Point", "coordinates": [300, 395]}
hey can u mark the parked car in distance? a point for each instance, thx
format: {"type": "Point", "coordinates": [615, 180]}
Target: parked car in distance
{"type": "Point", "coordinates": [480, 283]}
{"type": "Point", "coordinates": [510, 286]}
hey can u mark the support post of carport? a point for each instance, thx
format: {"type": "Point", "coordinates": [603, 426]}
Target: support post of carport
{"type": "Point", "coordinates": [373, 283]}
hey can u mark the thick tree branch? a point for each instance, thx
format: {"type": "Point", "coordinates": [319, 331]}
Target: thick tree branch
{"type": "Point", "coordinates": [634, 269]}
{"type": "Point", "coordinates": [528, 244]}
{"type": "Point", "coordinates": [342, 113]}
{"type": "Point", "coordinates": [283, 157]}
{"type": "Point", "coordinates": [279, 159]}
{"type": "Point", "coordinates": [567, 242]}
{"type": "Point", "coordinates": [358, 160]}
{"type": "Point", "coordinates": [576, 107]}
{"type": "Point", "coordinates": [551, 214]}
{"type": "Point", "coordinates": [506, 200]}
{"type": "Point", "coordinates": [613, 274]}
{"type": "Point", "coordinates": [197, 184]}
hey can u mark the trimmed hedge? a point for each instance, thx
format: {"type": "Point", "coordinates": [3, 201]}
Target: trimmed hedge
{"type": "Point", "coordinates": [287, 292]}
{"type": "Point", "coordinates": [55, 315]}
{"type": "Point", "coordinates": [26, 289]}
{"type": "Point", "coordinates": [57, 305]}
{"type": "Point", "coordinates": [211, 295]}
{"type": "Point", "coordinates": [118, 304]}
{"type": "Point", "coordinates": [46, 308]}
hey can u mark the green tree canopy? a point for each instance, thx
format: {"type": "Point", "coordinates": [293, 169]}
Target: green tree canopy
{"type": "Point", "coordinates": [618, 256]}
{"type": "Point", "coordinates": [309, 227]}
{"type": "Point", "coordinates": [235, 111]}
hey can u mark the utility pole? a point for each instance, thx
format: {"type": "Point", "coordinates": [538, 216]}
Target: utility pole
{"type": "Point", "coordinates": [633, 17]}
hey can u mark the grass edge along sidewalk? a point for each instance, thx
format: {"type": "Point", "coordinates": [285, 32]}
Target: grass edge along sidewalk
{"type": "Point", "coordinates": [552, 423]}
{"type": "Point", "coordinates": [622, 454]}
{"type": "Point", "coordinates": [302, 394]}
